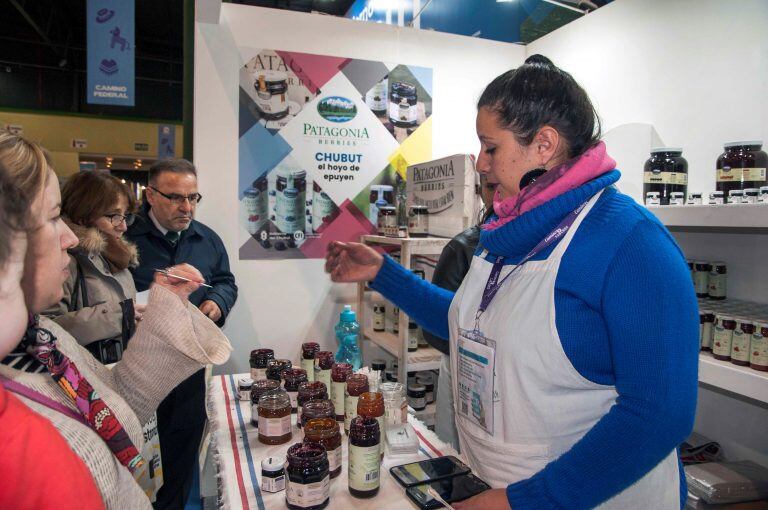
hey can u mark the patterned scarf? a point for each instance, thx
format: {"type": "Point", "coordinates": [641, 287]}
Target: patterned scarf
{"type": "Point", "coordinates": [42, 346]}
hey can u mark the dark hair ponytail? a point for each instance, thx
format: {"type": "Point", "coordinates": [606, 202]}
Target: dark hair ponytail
{"type": "Point", "coordinates": [538, 94]}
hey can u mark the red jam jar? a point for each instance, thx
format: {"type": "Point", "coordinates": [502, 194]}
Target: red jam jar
{"type": "Point", "coordinates": [276, 367]}
{"type": "Point", "coordinates": [258, 362]}
{"type": "Point", "coordinates": [274, 411]}
{"type": "Point", "coordinates": [316, 409]}
{"type": "Point", "coordinates": [364, 460]}
{"type": "Point", "coordinates": [740, 345]}
{"type": "Point", "coordinates": [308, 482]}
{"type": "Point", "coordinates": [357, 384]}
{"type": "Point", "coordinates": [258, 390]}
{"type": "Point", "coordinates": [323, 368]}
{"type": "Point", "coordinates": [723, 337]}
{"type": "Point", "coordinates": [309, 352]}
{"type": "Point", "coordinates": [325, 431]}
{"type": "Point", "coordinates": [309, 391]}
{"type": "Point", "coordinates": [293, 377]}
{"type": "Point", "coordinates": [758, 358]}
{"type": "Point", "coordinates": [339, 374]}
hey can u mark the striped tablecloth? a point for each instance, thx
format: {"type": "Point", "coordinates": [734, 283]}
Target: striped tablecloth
{"type": "Point", "coordinates": [238, 455]}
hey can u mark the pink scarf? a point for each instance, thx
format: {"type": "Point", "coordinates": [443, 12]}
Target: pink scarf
{"type": "Point", "coordinates": [566, 177]}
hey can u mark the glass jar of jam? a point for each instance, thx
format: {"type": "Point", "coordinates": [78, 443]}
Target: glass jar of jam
{"type": "Point", "coordinates": [723, 337]}
{"type": "Point", "coordinates": [418, 221]}
{"type": "Point", "coordinates": [323, 368]}
{"type": "Point", "coordinates": [758, 358]}
{"type": "Point", "coordinates": [244, 385]}
{"type": "Point", "coordinates": [292, 378]}
{"type": "Point", "coordinates": [258, 390]}
{"type": "Point", "coordinates": [258, 362]}
{"type": "Point", "coordinates": [706, 326]}
{"type": "Point", "coordinates": [308, 484]}
{"type": "Point", "coordinates": [274, 411]}
{"type": "Point", "coordinates": [371, 405]}
{"type": "Point", "coordinates": [325, 431]}
{"type": "Point", "coordinates": [316, 409]}
{"type": "Point", "coordinates": [380, 195]}
{"type": "Point", "coordinates": [742, 165]}
{"type": "Point", "coordinates": [364, 459]}
{"type": "Point", "coordinates": [740, 345]}
{"type": "Point", "coordinates": [339, 374]}
{"type": "Point", "coordinates": [718, 281]}
{"type": "Point", "coordinates": [276, 367]}
{"type": "Point", "coordinates": [403, 99]}
{"type": "Point", "coordinates": [309, 352]}
{"type": "Point", "coordinates": [665, 172]}
{"type": "Point", "coordinates": [417, 396]}
{"type": "Point", "coordinates": [387, 221]}
{"type": "Point", "coordinates": [357, 384]}
{"type": "Point", "coordinates": [308, 391]}
{"type": "Point", "coordinates": [395, 406]}
{"type": "Point", "coordinates": [701, 270]}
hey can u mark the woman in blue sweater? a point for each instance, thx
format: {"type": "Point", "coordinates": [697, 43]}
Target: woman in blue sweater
{"type": "Point", "coordinates": [574, 336]}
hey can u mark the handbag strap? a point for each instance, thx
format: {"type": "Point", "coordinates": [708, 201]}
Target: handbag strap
{"type": "Point", "coordinates": [36, 396]}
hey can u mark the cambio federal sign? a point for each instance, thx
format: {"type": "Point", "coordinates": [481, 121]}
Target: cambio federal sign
{"type": "Point", "coordinates": [111, 57]}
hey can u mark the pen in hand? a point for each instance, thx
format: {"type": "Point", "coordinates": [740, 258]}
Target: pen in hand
{"type": "Point", "coordinates": [171, 275]}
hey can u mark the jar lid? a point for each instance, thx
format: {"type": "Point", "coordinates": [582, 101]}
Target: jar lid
{"type": "Point", "coordinates": [736, 192]}
{"type": "Point", "coordinates": [382, 187]}
{"type": "Point", "coordinates": [677, 194]}
{"type": "Point", "coordinates": [748, 143]}
{"type": "Point", "coordinates": [419, 208]}
{"type": "Point", "coordinates": [716, 194]}
{"type": "Point", "coordinates": [661, 150]}
{"type": "Point", "coordinates": [272, 464]}
{"type": "Point", "coordinates": [751, 191]}
{"type": "Point", "coordinates": [696, 194]}
{"type": "Point", "coordinates": [245, 381]}
{"type": "Point", "coordinates": [652, 194]}
{"type": "Point", "coordinates": [415, 387]}
{"type": "Point", "coordinates": [379, 364]}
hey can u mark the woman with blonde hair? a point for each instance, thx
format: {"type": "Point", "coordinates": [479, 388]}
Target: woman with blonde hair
{"type": "Point", "coordinates": [98, 411]}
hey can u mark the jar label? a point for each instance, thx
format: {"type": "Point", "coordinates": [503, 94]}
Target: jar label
{"type": "Point", "coordinates": [402, 112]}
{"type": "Point", "coordinates": [323, 209]}
{"type": "Point", "coordinates": [701, 282]}
{"type": "Point", "coordinates": [294, 395]}
{"type": "Point", "coordinates": [255, 212]}
{"type": "Point", "coordinates": [727, 175]}
{"type": "Point", "coordinates": [275, 427]}
{"type": "Point", "coordinates": [364, 467]}
{"type": "Point", "coordinates": [350, 410]}
{"type": "Point", "coordinates": [740, 346]}
{"type": "Point", "coordinates": [717, 284]}
{"type": "Point", "coordinates": [275, 484]}
{"type": "Point", "coordinates": [665, 178]}
{"type": "Point", "coordinates": [309, 366]}
{"type": "Point", "coordinates": [258, 373]}
{"type": "Point", "coordinates": [324, 376]}
{"type": "Point", "coordinates": [290, 211]}
{"type": "Point", "coordinates": [337, 395]}
{"type": "Point", "coordinates": [378, 321]}
{"type": "Point", "coordinates": [376, 98]}
{"type": "Point", "coordinates": [413, 341]}
{"type": "Point", "coordinates": [334, 459]}
{"type": "Point", "coordinates": [271, 103]}
{"type": "Point", "coordinates": [706, 335]}
{"type": "Point", "coordinates": [753, 174]}
{"type": "Point", "coordinates": [244, 395]}
{"type": "Point", "coordinates": [380, 419]}
{"type": "Point", "coordinates": [721, 343]}
{"type": "Point", "coordinates": [418, 223]}
{"type": "Point", "coordinates": [759, 350]}
{"type": "Point", "coordinates": [308, 495]}
{"type": "Point", "coordinates": [417, 403]}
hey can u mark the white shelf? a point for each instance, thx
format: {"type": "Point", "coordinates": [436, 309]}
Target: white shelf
{"type": "Point", "coordinates": [417, 245]}
{"type": "Point", "coordinates": [736, 379]}
{"type": "Point", "coordinates": [737, 216]}
{"type": "Point", "coordinates": [425, 358]}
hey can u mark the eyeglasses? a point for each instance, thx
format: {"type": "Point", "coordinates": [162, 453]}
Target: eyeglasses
{"type": "Point", "coordinates": [117, 219]}
{"type": "Point", "coordinates": [175, 199]}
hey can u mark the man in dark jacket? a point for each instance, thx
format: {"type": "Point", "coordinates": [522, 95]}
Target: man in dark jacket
{"type": "Point", "coordinates": [166, 234]}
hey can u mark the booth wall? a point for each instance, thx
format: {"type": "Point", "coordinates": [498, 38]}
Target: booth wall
{"type": "Point", "coordinates": [283, 303]}
{"type": "Point", "coordinates": [697, 72]}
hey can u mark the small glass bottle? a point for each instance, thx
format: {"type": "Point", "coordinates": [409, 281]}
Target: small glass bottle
{"type": "Point", "coordinates": [309, 482]}
{"type": "Point", "coordinates": [325, 431]}
{"type": "Point", "coordinates": [371, 405]}
{"type": "Point", "coordinates": [323, 368]}
{"type": "Point", "coordinates": [316, 409]}
{"type": "Point", "coordinates": [740, 345]}
{"type": "Point", "coordinates": [701, 278]}
{"type": "Point", "coordinates": [339, 374]}
{"type": "Point", "coordinates": [723, 337]}
{"type": "Point", "coordinates": [429, 385]}
{"type": "Point", "coordinates": [258, 361]}
{"type": "Point", "coordinates": [293, 377]}
{"type": "Point", "coordinates": [718, 281]}
{"type": "Point", "coordinates": [309, 352]}
{"type": "Point", "coordinates": [380, 366]}
{"type": "Point", "coordinates": [258, 390]}
{"type": "Point", "coordinates": [276, 367]}
{"type": "Point", "coordinates": [707, 324]}
{"type": "Point", "coordinates": [244, 385]}
{"type": "Point", "coordinates": [413, 337]}
{"type": "Point", "coordinates": [275, 418]}
{"type": "Point", "coordinates": [273, 474]}
{"type": "Point", "coordinates": [417, 397]}
{"type": "Point", "coordinates": [357, 384]}
{"type": "Point", "coordinates": [395, 405]}
{"type": "Point", "coordinates": [378, 317]}
{"type": "Point", "coordinates": [758, 359]}
{"type": "Point", "coordinates": [308, 391]}
{"type": "Point", "coordinates": [364, 459]}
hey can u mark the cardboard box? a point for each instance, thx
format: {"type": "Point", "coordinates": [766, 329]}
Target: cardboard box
{"type": "Point", "coordinates": [449, 189]}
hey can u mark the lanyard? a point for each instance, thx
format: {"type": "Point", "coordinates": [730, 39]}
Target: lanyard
{"type": "Point", "coordinates": [493, 284]}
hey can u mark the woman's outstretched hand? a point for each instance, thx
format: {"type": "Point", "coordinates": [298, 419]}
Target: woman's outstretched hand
{"type": "Point", "coordinates": [352, 262]}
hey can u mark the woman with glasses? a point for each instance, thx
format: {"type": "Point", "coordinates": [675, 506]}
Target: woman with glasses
{"type": "Point", "coordinates": [98, 307]}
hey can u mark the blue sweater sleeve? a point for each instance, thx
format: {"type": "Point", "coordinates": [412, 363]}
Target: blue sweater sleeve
{"type": "Point", "coordinates": [425, 303]}
{"type": "Point", "coordinates": [651, 315]}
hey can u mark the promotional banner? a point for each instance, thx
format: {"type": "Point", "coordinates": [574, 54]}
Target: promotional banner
{"type": "Point", "coordinates": [322, 141]}
{"type": "Point", "coordinates": [111, 57]}
{"type": "Point", "coordinates": [166, 141]}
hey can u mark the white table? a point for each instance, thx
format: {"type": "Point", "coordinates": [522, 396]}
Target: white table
{"type": "Point", "coordinates": [238, 454]}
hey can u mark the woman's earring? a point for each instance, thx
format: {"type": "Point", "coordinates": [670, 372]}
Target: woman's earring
{"type": "Point", "coordinates": [530, 177]}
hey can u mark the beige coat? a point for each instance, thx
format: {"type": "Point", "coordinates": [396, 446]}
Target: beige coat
{"type": "Point", "coordinates": [173, 341]}
{"type": "Point", "coordinates": [103, 318]}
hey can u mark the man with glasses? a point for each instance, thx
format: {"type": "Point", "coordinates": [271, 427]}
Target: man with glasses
{"type": "Point", "coordinates": [167, 234]}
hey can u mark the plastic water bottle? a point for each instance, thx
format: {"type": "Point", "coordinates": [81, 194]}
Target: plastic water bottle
{"type": "Point", "coordinates": [347, 332]}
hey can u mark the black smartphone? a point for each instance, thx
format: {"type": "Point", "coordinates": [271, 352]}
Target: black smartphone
{"type": "Point", "coordinates": [429, 470]}
{"type": "Point", "coordinates": [457, 488]}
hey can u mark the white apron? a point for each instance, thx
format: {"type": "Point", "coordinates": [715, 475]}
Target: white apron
{"type": "Point", "coordinates": [541, 405]}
